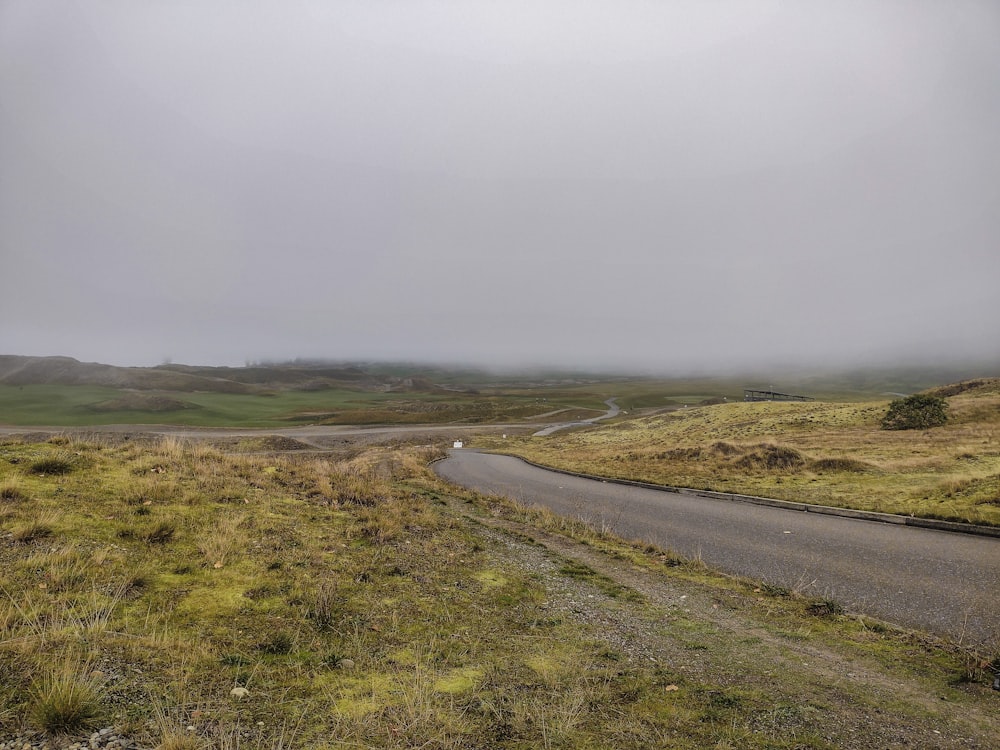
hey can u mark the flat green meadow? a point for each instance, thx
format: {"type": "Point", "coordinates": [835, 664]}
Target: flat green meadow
{"type": "Point", "coordinates": [85, 405]}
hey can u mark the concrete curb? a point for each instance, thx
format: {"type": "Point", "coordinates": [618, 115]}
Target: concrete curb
{"type": "Point", "coordinates": [864, 515]}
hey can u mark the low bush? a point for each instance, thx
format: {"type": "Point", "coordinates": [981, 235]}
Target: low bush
{"type": "Point", "coordinates": [918, 412]}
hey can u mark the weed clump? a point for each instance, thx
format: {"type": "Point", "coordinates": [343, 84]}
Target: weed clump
{"type": "Point", "coordinates": [53, 465]}
{"type": "Point", "coordinates": [725, 449]}
{"type": "Point", "coordinates": [64, 702]}
{"type": "Point", "coordinates": [841, 464]}
{"type": "Point", "coordinates": [175, 738]}
{"type": "Point", "coordinates": [160, 533]}
{"type": "Point", "coordinates": [772, 457]}
{"type": "Point", "coordinates": [31, 531]}
{"type": "Point", "coordinates": [323, 608]}
{"type": "Point", "coordinates": [279, 644]}
{"type": "Point", "coordinates": [358, 489]}
{"type": "Point", "coordinates": [10, 491]}
{"type": "Point", "coordinates": [222, 543]}
{"type": "Point", "coordinates": [824, 608]}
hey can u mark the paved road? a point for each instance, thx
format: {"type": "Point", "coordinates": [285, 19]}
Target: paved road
{"type": "Point", "coordinates": [613, 411]}
{"type": "Point", "coordinates": [942, 582]}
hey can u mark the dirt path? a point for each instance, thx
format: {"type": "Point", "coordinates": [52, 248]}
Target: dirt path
{"type": "Point", "coordinates": [724, 638]}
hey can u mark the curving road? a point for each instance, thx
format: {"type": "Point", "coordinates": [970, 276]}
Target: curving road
{"type": "Point", "coordinates": [613, 411]}
{"type": "Point", "coordinates": [939, 581]}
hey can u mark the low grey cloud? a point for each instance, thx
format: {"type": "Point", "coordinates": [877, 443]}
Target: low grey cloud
{"type": "Point", "coordinates": [673, 186]}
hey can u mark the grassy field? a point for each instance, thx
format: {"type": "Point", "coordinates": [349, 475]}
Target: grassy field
{"type": "Point", "coordinates": [275, 396]}
{"type": "Point", "coordinates": [816, 452]}
{"type": "Point", "coordinates": [196, 599]}
{"type": "Point", "coordinates": [79, 405]}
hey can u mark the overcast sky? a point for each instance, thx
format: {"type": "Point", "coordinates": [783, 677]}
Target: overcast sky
{"type": "Point", "coordinates": [672, 185]}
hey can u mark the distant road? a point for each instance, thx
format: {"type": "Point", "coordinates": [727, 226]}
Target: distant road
{"type": "Point", "coordinates": [942, 582]}
{"type": "Point", "coordinates": [319, 436]}
{"type": "Point", "coordinates": [612, 411]}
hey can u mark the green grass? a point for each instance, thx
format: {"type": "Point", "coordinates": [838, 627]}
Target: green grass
{"type": "Point", "coordinates": [76, 406]}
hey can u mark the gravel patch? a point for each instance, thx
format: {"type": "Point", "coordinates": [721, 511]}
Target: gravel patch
{"type": "Point", "coordinates": [107, 738]}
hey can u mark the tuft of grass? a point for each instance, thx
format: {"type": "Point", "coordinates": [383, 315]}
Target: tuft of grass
{"type": "Point", "coordinates": [54, 465]}
{"type": "Point", "coordinates": [172, 733]}
{"type": "Point", "coordinates": [65, 700]}
{"type": "Point", "coordinates": [840, 464]}
{"type": "Point", "coordinates": [280, 642]}
{"type": "Point", "coordinates": [220, 543]}
{"type": "Point", "coordinates": [359, 488]}
{"type": "Point", "coordinates": [824, 608]}
{"type": "Point", "coordinates": [772, 458]}
{"type": "Point", "coordinates": [29, 531]}
{"type": "Point", "coordinates": [324, 608]}
{"type": "Point", "coordinates": [10, 490]}
{"type": "Point", "coordinates": [159, 533]}
{"type": "Point", "coordinates": [178, 738]}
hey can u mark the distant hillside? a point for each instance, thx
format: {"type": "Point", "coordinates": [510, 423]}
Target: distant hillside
{"type": "Point", "coordinates": [19, 370]}
{"type": "Point", "coordinates": [978, 386]}
{"type": "Point", "coordinates": [287, 376]}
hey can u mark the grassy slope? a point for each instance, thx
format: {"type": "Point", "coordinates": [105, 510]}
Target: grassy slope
{"type": "Point", "coordinates": [357, 610]}
{"type": "Point", "coordinates": [824, 453]}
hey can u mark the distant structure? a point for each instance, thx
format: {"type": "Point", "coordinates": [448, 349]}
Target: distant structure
{"type": "Point", "coordinates": [753, 395]}
{"type": "Point", "coordinates": [457, 444]}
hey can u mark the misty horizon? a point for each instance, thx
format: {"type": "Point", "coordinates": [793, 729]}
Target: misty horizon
{"type": "Point", "coordinates": [616, 186]}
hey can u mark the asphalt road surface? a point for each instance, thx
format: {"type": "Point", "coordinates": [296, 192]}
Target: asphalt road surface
{"type": "Point", "coordinates": [943, 582]}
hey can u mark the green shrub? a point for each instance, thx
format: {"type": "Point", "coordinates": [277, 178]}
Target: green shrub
{"type": "Point", "coordinates": [916, 412]}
